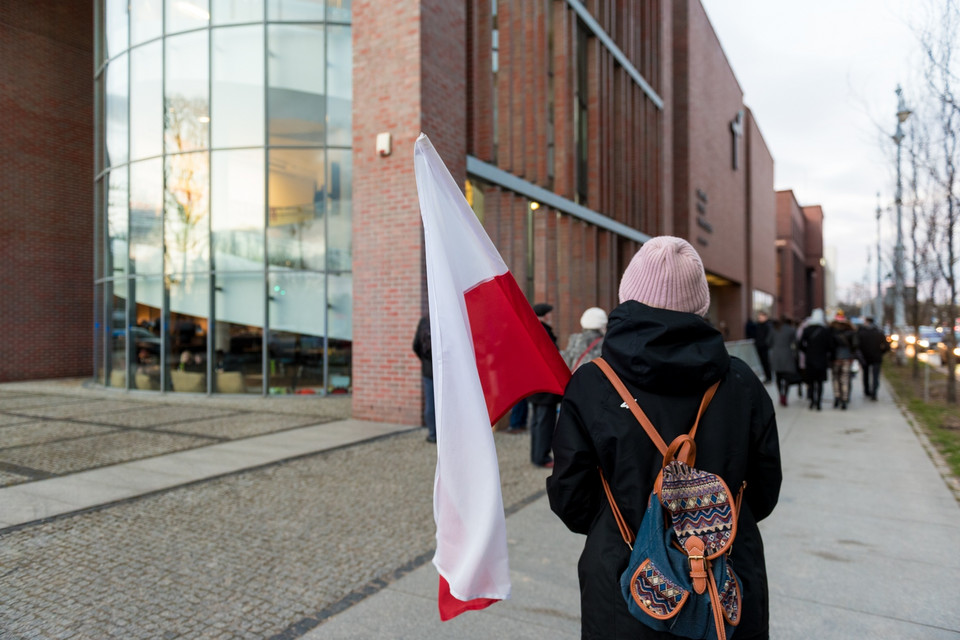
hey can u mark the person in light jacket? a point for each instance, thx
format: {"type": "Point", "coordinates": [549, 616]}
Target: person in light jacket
{"type": "Point", "coordinates": [667, 355]}
{"type": "Point", "coordinates": [585, 346]}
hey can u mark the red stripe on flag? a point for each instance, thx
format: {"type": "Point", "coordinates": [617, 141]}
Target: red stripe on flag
{"type": "Point", "coordinates": [450, 607]}
{"type": "Point", "coordinates": [515, 356]}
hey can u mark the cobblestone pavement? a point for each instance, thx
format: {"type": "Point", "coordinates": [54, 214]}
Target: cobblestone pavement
{"type": "Point", "coordinates": [51, 429]}
{"type": "Point", "coordinates": [256, 554]}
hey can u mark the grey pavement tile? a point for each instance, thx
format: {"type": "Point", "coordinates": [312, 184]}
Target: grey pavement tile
{"type": "Point", "coordinates": [150, 415]}
{"type": "Point", "coordinates": [10, 479]}
{"type": "Point", "coordinates": [242, 425]}
{"type": "Point", "coordinates": [12, 418]}
{"type": "Point", "coordinates": [84, 410]}
{"type": "Point", "coordinates": [18, 403]}
{"type": "Point", "coordinates": [97, 451]}
{"type": "Point", "coordinates": [46, 431]}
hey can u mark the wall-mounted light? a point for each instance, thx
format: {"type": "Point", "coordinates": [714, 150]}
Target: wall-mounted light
{"type": "Point", "coordinates": [384, 144]}
{"type": "Point", "coordinates": [534, 205]}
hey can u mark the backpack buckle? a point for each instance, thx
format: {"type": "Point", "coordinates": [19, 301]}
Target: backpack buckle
{"type": "Point", "coordinates": [698, 563]}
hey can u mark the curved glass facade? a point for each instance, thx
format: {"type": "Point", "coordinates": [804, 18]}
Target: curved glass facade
{"type": "Point", "coordinates": [223, 196]}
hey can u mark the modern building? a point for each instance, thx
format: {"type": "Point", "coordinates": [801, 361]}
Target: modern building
{"type": "Point", "coordinates": [226, 204]}
{"type": "Point", "coordinates": [800, 261]}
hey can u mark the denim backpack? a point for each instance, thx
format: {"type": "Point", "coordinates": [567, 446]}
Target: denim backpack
{"type": "Point", "coordinates": [679, 579]}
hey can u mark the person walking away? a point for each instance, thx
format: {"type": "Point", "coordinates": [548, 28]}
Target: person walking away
{"type": "Point", "coordinates": [585, 346]}
{"type": "Point", "coordinates": [873, 344]}
{"type": "Point", "coordinates": [783, 356]}
{"type": "Point", "coordinates": [667, 355]}
{"type": "Point", "coordinates": [421, 347]}
{"type": "Point", "coordinates": [845, 348]}
{"type": "Point", "coordinates": [762, 334]}
{"type": "Point", "coordinates": [543, 405]}
{"type": "Point", "coordinates": [816, 343]}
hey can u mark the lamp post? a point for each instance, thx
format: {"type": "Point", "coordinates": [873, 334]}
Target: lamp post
{"type": "Point", "coordinates": [878, 306]}
{"type": "Point", "coordinates": [898, 314]}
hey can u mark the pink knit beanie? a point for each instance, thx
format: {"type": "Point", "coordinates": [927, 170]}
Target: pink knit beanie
{"type": "Point", "coordinates": [667, 273]}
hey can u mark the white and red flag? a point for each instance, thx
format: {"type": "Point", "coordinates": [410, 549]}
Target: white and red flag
{"type": "Point", "coordinates": [489, 351]}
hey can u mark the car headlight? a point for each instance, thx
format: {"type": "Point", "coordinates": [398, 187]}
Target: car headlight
{"type": "Point", "coordinates": [894, 337]}
{"type": "Point", "coordinates": [923, 343]}
{"type": "Point", "coordinates": [911, 339]}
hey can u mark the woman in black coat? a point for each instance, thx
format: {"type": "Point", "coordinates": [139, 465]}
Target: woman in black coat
{"type": "Point", "coordinates": [817, 344]}
{"type": "Point", "coordinates": [667, 355]}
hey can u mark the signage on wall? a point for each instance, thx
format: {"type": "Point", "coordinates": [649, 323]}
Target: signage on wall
{"type": "Point", "coordinates": [701, 217]}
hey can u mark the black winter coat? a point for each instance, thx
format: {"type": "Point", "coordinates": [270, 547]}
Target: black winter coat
{"type": "Point", "coordinates": [666, 359]}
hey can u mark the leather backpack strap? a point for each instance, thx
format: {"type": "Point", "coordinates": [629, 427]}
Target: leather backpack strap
{"type": "Point", "coordinates": [684, 448]}
{"type": "Point", "coordinates": [632, 404]}
{"type": "Point", "coordinates": [625, 531]}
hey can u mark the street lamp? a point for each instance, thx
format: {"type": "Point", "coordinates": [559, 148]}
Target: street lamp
{"type": "Point", "coordinates": [878, 306]}
{"type": "Point", "coordinates": [898, 315]}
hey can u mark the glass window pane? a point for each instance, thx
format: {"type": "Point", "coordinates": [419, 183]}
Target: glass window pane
{"type": "Point", "coordinates": [237, 100]}
{"type": "Point", "coordinates": [340, 338]}
{"type": "Point", "coordinates": [295, 234]}
{"type": "Point", "coordinates": [295, 75]}
{"type": "Point", "coordinates": [187, 333]}
{"type": "Point", "coordinates": [99, 327]}
{"type": "Point", "coordinates": [237, 209]}
{"type": "Point", "coordinates": [146, 216]}
{"type": "Point", "coordinates": [339, 209]}
{"type": "Point", "coordinates": [183, 15]}
{"type": "Point", "coordinates": [117, 377]}
{"type": "Point", "coordinates": [297, 323]}
{"type": "Point", "coordinates": [234, 11]}
{"type": "Point", "coordinates": [339, 10]}
{"type": "Point", "coordinates": [295, 10]}
{"type": "Point", "coordinates": [187, 101]}
{"type": "Point", "coordinates": [115, 26]}
{"type": "Point", "coordinates": [146, 101]}
{"type": "Point", "coordinates": [238, 333]}
{"type": "Point", "coordinates": [186, 208]}
{"type": "Point", "coordinates": [100, 106]}
{"type": "Point", "coordinates": [146, 20]}
{"type": "Point", "coordinates": [145, 332]}
{"type": "Point", "coordinates": [117, 222]}
{"type": "Point", "coordinates": [99, 207]}
{"type": "Point", "coordinates": [339, 86]}
{"type": "Point", "coordinates": [115, 109]}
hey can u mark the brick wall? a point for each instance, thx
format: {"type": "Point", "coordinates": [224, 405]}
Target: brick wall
{"type": "Point", "coordinates": [46, 195]}
{"type": "Point", "coordinates": [409, 75]}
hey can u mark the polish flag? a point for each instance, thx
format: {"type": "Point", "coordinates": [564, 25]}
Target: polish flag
{"type": "Point", "coordinates": [489, 351]}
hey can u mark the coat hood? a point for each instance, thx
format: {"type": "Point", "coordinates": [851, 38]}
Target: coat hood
{"type": "Point", "coordinates": [663, 351]}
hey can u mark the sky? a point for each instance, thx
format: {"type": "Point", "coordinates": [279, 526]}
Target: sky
{"type": "Point", "coordinates": [820, 78]}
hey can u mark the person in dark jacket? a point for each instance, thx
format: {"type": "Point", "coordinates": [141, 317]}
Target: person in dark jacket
{"type": "Point", "coordinates": [667, 355]}
{"type": "Point", "coordinates": [845, 346]}
{"type": "Point", "coordinates": [543, 405]}
{"type": "Point", "coordinates": [421, 347]}
{"type": "Point", "coordinates": [873, 344]}
{"type": "Point", "coordinates": [816, 342]}
{"type": "Point", "coordinates": [782, 343]}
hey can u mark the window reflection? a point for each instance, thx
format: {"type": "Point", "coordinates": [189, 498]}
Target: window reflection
{"type": "Point", "coordinates": [295, 10]}
{"type": "Point", "coordinates": [117, 376]}
{"type": "Point", "coordinates": [100, 326]}
{"type": "Point", "coordinates": [187, 333]}
{"type": "Point", "coordinates": [186, 206]}
{"type": "Point", "coordinates": [115, 110]}
{"type": "Point", "coordinates": [145, 331]}
{"type": "Point", "coordinates": [117, 223]}
{"type": "Point", "coordinates": [183, 15]}
{"type": "Point", "coordinates": [297, 326]}
{"type": "Point", "coordinates": [238, 333]}
{"type": "Point", "coordinates": [146, 20]}
{"type": "Point", "coordinates": [237, 100]}
{"type": "Point", "coordinates": [295, 84]}
{"type": "Point", "coordinates": [340, 332]}
{"type": "Point", "coordinates": [338, 10]}
{"type": "Point", "coordinates": [339, 206]}
{"type": "Point", "coordinates": [339, 86]}
{"type": "Point", "coordinates": [295, 237]}
{"type": "Point", "coordinates": [234, 11]}
{"type": "Point", "coordinates": [146, 216]}
{"type": "Point", "coordinates": [237, 210]}
{"type": "Point", "coordinates": [186, 115]}
{"type": "Point", "coordinates": [146, 101]}
{"type": "Point", "coordinates": [116, 27]}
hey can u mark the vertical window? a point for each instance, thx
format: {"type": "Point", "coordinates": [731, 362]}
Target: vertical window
{"type": "Point", "coordinates": [116, 112]}
{"type": "Point", "coordinates": [117, 222]}
{"type": "Point", "coordinates": [146, 217]}
{"type": "Point", "coordinates": [295, 94]}
{"type": "Point", "coordinates": [184, 15]}
{"type": "Point", "coordinates": [339, 207]}
{"type": "Point", "coordinates": [146, 101]}
{"type": "Point", "coordinates": [146, 20]}
{"type": "Point", "coordinates": [298, 191]}
{"type": "Point", "coordinates": [339, 86]}
{"type": "Point", "coordinates": [186, 115]}
{"type": "Point", "coordinates": [186, 230]}
{"type": "Point", "coordinates": [236, 215]}
{"type": "Point", "coordinates": [495, 68]}
{"type": "Point", "coordinates": [115, 31]}
{"type": "Point", "coordinates": [580, 113]}
{"type": "Point", "coordinates": [236, 117]}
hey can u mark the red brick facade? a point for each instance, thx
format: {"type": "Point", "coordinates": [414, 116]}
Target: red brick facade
{"type": "Point", "coordinates": [800, 276]}
{"type": "Point", "coordinates": [46, 193]}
